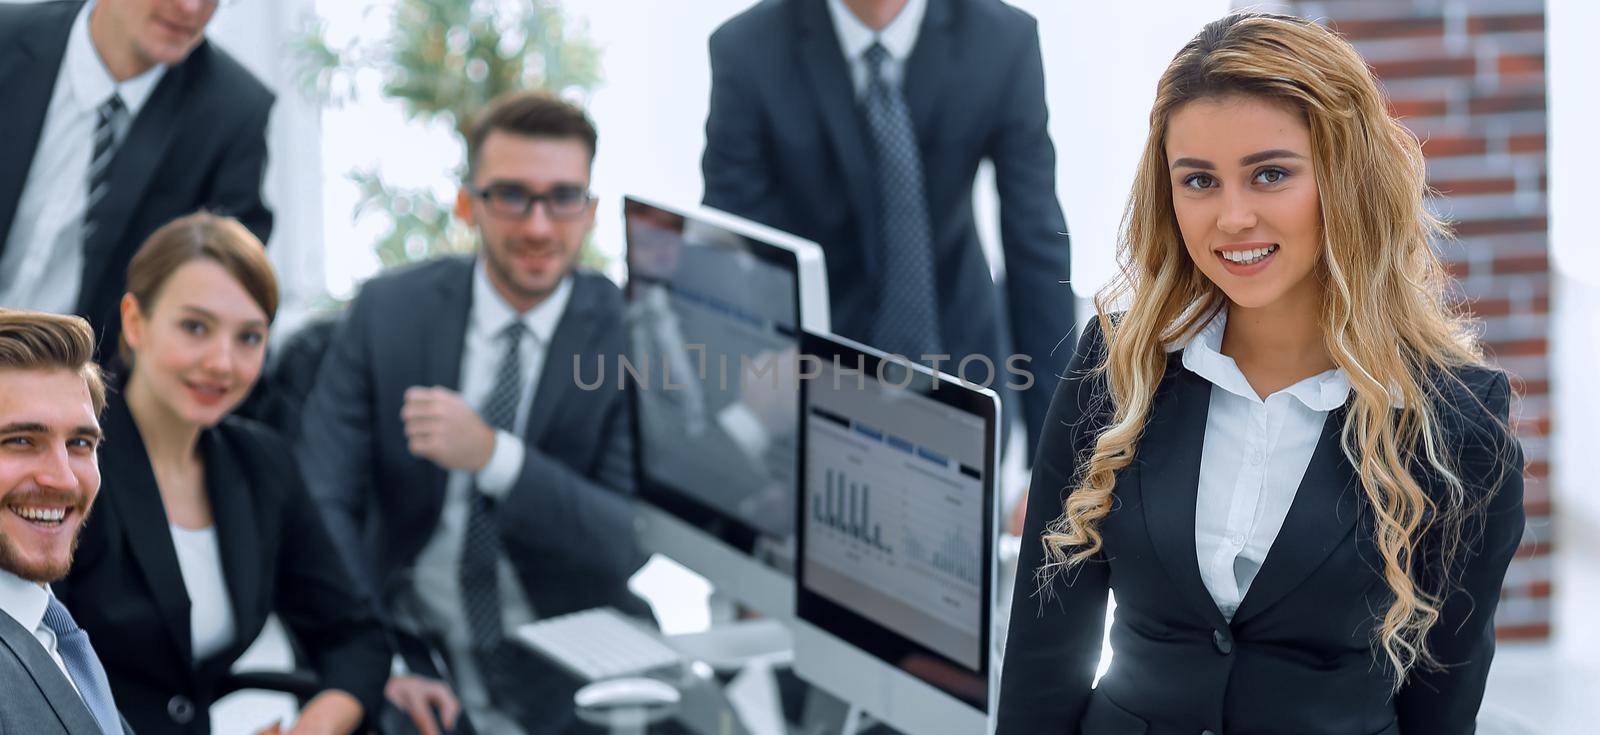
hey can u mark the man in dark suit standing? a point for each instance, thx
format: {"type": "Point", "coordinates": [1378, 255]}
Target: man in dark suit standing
{"type": "Point", "coordinates": [448, 430]}
{"type": "Point", "coordinates": [860, 124]}
{"type": "Point", "coordinates": [119, 117]}
{"type": "Point", "coordinates": [50, 401]}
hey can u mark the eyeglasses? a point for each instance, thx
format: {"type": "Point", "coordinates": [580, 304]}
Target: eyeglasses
{"type": "Point", "coordinates": [515, 202]}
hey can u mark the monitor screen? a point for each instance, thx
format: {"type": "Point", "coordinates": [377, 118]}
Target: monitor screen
{"type": "Point", "coordinates": [713, 316]}
{"type": "Point", "coordinates": [896, 510]}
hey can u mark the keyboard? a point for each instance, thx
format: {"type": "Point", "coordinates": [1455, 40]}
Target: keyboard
{"type": "Point", "coordinates": [598, 644]}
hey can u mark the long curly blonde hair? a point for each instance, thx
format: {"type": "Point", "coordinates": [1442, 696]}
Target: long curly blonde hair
{"type": "Point", "coordinates": [1385, 316]}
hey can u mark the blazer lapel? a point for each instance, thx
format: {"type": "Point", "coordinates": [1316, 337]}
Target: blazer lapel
{"type": "Point", "coordinates": [53, 684]}
{"type": "Point", "coordinates": [238, 537]}
{"type": "Point", "coordinates": [834, 94]}
{"type": "Point", "coordinates": [28, 74]}
{"type": "Point", "coordinates": [132, 167]}
{"type": "Point", "coordinates": [929, 69]}
{"type": "Point", "coordinates": [1322, 515]}
{"type": "Point", "coordinates": [445, 338]}
{"type": "Point", "coordinates": [571, 339]}
{"type": "Point", "coordinates": [132, 490]}
{"type": "Point", "coordinates": [1170, 452]}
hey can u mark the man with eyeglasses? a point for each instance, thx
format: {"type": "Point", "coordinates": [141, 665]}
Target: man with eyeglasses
{"type": "Point", "coordinates": [468, 474]}
{"type": "Point", "coordinates": [119, 117]}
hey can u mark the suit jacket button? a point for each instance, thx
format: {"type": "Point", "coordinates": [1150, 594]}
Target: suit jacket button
{"type": "Point", "coordinates": [180, 709]}
{"type": "Point", "coordinates": [1223, 643]}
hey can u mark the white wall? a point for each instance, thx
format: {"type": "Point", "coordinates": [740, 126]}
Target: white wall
{"type": "Point", "coordinates": [1575, 339]}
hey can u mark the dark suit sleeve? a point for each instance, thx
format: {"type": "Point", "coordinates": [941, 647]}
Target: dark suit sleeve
{"type": "Point", "coordinates": [335, 441]}
{"type": "Point", "coordinates": [551, 504]}
{"type": "Point", "coordinates": [737, 172]}
{"type": "Point", "coordinates": [315, 595]}
{"type": "Point", "coordinates": [235, 187]}
{"type": "Point", "coordinates": [1053, 644]}
{"type": "Point", "coordinates": [1490, 464]}
{"type": "Point", "coordinates": [1033, 232]}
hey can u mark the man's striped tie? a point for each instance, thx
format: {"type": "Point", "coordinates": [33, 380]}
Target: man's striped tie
{"type": "Point", "coordinates": [907, 322]}
{"type": "Point", "coordinates": [112, 113]}
{"type": "Point", "coordinates": [481, 548]}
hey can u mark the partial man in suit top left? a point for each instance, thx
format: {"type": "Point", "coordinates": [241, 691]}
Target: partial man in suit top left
{"type": "Point", "coordinates": [119, 118]}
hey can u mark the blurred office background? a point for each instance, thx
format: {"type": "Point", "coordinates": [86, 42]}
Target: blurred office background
{"type": "Point", "coordinates": [1501, 91]}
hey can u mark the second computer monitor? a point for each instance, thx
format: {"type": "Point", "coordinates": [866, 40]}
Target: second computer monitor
{"type": "Point", "coordinates": [715, 308]}
{"type": "Point", "coordinates": [895, 582]}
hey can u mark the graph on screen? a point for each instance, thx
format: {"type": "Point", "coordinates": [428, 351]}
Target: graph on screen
{"type": "Point", "coordinates": [894, 518]}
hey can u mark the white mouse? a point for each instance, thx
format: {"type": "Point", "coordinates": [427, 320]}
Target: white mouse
{"type": "Point", "coordinates": [626, 692]}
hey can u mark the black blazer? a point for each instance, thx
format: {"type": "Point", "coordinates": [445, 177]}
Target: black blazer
{"type": "Point", "coordinates": [567, 522]}
{"type": "Point", "coordinates": [1299, 655]}
{"type": "Point", "coordinates": [199, 141]}
{"type": "Point", "coordinates": [787, 146]}
{"type": "Point", "coordinates": [126, 588]}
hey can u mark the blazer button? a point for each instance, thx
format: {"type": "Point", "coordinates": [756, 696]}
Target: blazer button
{"type": "Point", "coordinates": [1223, 643]}
{"type": "Point", "coordinates": [180, 709]}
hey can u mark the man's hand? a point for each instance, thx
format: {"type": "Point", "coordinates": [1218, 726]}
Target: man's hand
{"type": "Point", "coordinates": [333, 712]}
{"type": "Point", "coordinates": [1018, 515]}
{"type": "Point", "coordinates": [422, 699]}
{"type": "Point", "coordinates": [442, 428]}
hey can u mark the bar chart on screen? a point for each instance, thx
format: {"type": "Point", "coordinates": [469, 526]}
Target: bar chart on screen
{"type": "Point", "coordinates": [899, 516]}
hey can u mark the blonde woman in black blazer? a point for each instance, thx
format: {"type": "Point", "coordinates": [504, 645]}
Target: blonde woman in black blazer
{"type": "Point", "coordinates": [1283, 456]}
{"type": "Point", "coordinates": [205, 527]}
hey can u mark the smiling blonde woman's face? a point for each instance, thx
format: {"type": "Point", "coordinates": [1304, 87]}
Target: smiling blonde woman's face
{"type": "Point", "coordinates": [1244, 191]}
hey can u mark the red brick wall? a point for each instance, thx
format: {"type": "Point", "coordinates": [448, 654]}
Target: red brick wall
{"type": "Point", "coordinates": [1467, 76]}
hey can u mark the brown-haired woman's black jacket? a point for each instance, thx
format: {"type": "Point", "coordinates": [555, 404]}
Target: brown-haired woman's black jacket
{"type": "Point", "coordinates": [127, 591]}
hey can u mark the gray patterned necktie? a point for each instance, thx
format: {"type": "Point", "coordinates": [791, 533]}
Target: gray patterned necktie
{"type": "Point", "coordinates": [480, 546]}
{"type": "Point", "coordinates": [83, 666]}
{"type": "Point", "coordinates": [907, 322]}
{"type": "Point", "coordinates": [111, 119]}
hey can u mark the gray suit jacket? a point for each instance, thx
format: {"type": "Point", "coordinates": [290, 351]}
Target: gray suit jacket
{"type": "Point", "coordinates": [39, 699]}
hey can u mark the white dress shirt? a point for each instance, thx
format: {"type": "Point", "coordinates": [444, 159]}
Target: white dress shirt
{"type": "Point", "coordinates": [42, 267]}
{"type": "Point", "coordinates": [210, 607]}
{"type": "Point", "coordinates": [438, 571]}
{"type": "Point", "coordinates": [898, 38]}
{"type": "Point", "coordinates": [26, 602]}
{"type": "Point", "coordinates": [1256, 452]}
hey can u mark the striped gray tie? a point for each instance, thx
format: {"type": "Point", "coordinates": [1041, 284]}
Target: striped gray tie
{"type": "Point", "coordinates": [480, 545]}
{"type": "Point", "coordinates": [83, 666]}
{"type": "Point", "coordinates": [908, 318]}
{"type": "Point", "coordinates": [112, 113]}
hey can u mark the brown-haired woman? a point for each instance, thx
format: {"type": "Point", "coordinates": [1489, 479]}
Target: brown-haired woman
{"type": "Point", "coordinates": [1284, 457]}
{"type": "Point", "coordinates": [205, 527]}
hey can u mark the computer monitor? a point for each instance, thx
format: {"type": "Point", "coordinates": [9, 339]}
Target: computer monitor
{"type": "Point", "coordinates": [715, 308]}
{"type": "Point", "coordinates": [895, 581]}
